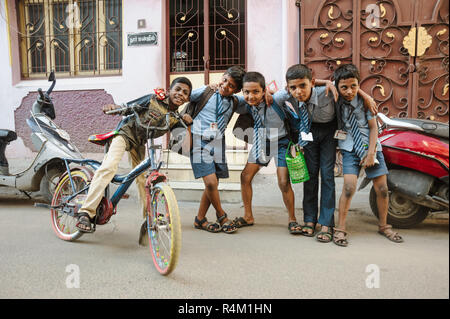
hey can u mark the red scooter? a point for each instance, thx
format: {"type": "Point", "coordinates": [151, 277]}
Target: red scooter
{"type": "Point", "coordinates": [417, 156]}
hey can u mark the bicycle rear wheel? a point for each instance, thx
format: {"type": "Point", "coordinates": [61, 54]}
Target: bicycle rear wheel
{"type": "Point", "coordinates": [62, 223]}
{"type": "Point", "coordinates": [164, 227]}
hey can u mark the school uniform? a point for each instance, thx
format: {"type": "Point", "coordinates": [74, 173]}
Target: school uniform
{"type": "Point", "coordinates": [208, 141]}
{"type": "Point", "coordinates": [272, 133]}
{"type": "Point", "coordinates": [130, 138]}
{"type": "Point", "coordinates": [319, 150]}
{"type": "Point", "coordinates": [350, 159]}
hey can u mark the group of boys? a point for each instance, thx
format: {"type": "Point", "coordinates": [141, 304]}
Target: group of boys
{"type": "Point", "coordinates": [315, 114]}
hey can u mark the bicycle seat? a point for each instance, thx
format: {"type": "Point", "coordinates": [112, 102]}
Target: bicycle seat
{"type": "Point", "coordinates": [8, 136]}
{"type": "Point", "coordinates": [101, 139]}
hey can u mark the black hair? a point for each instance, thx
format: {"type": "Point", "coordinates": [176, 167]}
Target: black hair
{"type": "Point", "coordinates": [183, 80]}
{"type": "Point", "coordinates": [237, 74]}
{"type": "Point", "coordinates": [298, 71]}
{"type": "Point", "coordinates": [255, 77]}
{"type": "Point", "coordinates": [346, 71]}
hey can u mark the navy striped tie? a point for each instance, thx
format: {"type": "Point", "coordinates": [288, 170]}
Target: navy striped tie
{"type": "Point", "coordinates": [358, 144]}
{"type": "Point", "coordinates": [220, 118]}
{"type": "Point", "coordinates": [256, 149]}
{"type": "Point", "coordinates": [305, 124]}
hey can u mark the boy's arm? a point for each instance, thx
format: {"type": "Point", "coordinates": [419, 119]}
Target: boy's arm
{"type": "Point", "coordinates": [369, 102]}
{"type": "Point", "coordinates": [242, 105]}
{"type": "Point", "coordinates": [280, 97]}
{"type": "Point", "coordinates": [110, 107]}
{"type": "Point", "coordinates": [369, 160]}
{"type": "Point", "coordinates": [195, 94]}
{"type": "Point", "coordinates": [329, 86]}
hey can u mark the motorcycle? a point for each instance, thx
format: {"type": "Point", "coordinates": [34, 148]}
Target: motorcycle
{"type": "Point", "coordinates": [417, 155]}
{"type": "Point", "coordinates": [52, 144]}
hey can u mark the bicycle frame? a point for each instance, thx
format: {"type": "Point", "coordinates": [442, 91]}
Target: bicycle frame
{"type": "Point", "coordinates": [124, 180]}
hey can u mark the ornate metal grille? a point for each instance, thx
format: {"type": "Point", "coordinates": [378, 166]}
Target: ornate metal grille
{"type": "Point", "coordinates": [226, 41]}
{"type": "Point", "coordinates": [401, 51]}
{"type": "Point", "coordinates": [71, 37]}
{"type": "Point", "coordinates": [385, 63]}
{"type": "Point", "coordinates": [227, 34]}
{"type": "Point", "coordinates": [329, 43]}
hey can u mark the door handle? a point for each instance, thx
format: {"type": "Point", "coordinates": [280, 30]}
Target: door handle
{"type": "Point", "coordinates": [417, 38]}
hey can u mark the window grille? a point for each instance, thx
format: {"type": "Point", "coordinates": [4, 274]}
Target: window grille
{"type": "Point", "coordinates": [73, 38]}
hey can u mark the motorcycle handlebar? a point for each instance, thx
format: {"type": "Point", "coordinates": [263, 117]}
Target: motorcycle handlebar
{"type": "Point", "coordinates": [51, 87]}
{"type": "Point", "coordinates": [41, 94]}
{"type": "Point", "coordinates": [53, 79]}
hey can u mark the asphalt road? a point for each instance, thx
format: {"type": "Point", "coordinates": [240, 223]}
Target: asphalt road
{"type": "Point", "coordinates": [262, 261]}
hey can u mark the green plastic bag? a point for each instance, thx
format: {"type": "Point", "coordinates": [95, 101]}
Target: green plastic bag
{"type": "Point", "coordinates": [298, 172]}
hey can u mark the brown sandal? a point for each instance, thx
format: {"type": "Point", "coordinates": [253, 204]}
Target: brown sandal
{"type": "Point", "coordinates": [340, 241]}
{"type": "Point", "coordinates": [387, 232]}
{"type": "Point", "coordinates": [210, 227]}
{"type": "Point", "coordinates": [227, 227]}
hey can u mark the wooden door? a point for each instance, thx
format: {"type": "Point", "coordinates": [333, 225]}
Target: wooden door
{"type": "Point", "coordinates": [400, 47]}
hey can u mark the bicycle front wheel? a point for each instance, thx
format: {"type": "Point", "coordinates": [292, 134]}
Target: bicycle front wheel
{"type": "Point", "coordinates": [164, 227]}
{"type": "Point", "coordinates": [62, 223]}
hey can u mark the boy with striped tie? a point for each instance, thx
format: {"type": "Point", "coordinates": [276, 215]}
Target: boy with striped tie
{"type": "Point", "coordinates": [270, 139]}
{"type": "Point", "coordinates": [311, 108]}
{"type": "Point", "coordinates": [208, 145]}
{"type": "Point", "coordinates": [360, 149]}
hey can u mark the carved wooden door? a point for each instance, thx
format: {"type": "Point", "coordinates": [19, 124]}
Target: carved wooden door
{"type": "Point", "coordinates": [400, 47]}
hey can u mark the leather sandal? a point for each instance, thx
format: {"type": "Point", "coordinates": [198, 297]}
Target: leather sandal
{"type": "Point", "coordinates": [210, 227]}
{"type": "Point", "coordinates": [325, 236]}
{"type": "Point", "coordinates": [340, 241]}
{"type": "Point", "coordinates": [228, 226]}
{"type": "Point", "coordinates": [305, 229]}
{"type": "Point", "coordinates": [84, 223]}
{"type": "Point", "coordinates": [387, 232]}
{"type": "Point", "coordinates": [294, 228]}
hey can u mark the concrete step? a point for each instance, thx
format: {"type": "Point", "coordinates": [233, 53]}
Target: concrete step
{"type": "Point", "coordinates": [192, 191]}
{"type": "Point", "coordinates": [234, 157]}
{"type": "Point", "coordinates": [183, 172]}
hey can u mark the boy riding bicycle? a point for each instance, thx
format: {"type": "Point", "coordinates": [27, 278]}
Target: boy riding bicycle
{"type": "Point", "coordinates": [132, 138]}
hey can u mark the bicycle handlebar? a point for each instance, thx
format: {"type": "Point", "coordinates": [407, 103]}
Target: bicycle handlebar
{"type": "Point", "coordinates": [132, 108]}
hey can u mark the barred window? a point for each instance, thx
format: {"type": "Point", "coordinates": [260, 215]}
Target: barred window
{"type": "Point", "coordinates": [73, 38]}
{"type": "Point", "coordinates": [188, 43]}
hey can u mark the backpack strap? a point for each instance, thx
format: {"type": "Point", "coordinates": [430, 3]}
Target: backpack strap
{"type": "Point", "coordinates": [204, 98]}
{"type": "Point", "coordinates": [281, 113]}
{"type": "Point", "coordinates": [235, 103]}
{"type": "Point", "coordinates": [193, 108]}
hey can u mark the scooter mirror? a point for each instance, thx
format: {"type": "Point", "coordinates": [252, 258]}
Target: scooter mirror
{"type": "Point", "coordinates": [51, 78]}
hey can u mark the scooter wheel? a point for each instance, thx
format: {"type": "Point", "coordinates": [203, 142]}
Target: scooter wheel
{"type": "Point", "coordinates": [402, 212]}
{"type": "Point", "coordinates": [49, 183]}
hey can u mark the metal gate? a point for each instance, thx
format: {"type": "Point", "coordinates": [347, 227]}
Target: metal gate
{"type": "Point", "coordinates": [400, 46]}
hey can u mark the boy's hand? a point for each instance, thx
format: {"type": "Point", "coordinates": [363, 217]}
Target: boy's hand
{"type": "Point", "coordinates": [214, 86]}
{"type": "Point", "coordinates": [301, 149]}
{"type": "Point", "coordinates": [110, 107]}
{"type": "Point", "coordinates": [368, 160]}
{"type": "Point", "coordinates": [330, 87]}
{"type": "Point", "coordinates": [187, 119]}
{"type": "Point", "coordinates": [372, 106]}
{"type": "Point", "coordinates": [369, 102]}
{"type": "Point", "coordinates": [268, 98]}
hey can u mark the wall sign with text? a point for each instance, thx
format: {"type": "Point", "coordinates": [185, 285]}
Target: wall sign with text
{"type": "Point", "coordinates": [144, 38]}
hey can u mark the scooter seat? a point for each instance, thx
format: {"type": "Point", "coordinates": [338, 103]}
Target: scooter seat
{"type": "Point", "coordinates": [8, 136]}
{"type": "Point", "coordinates": [101, 139]}
{"type": "Point", "coordinates": [431, 127]}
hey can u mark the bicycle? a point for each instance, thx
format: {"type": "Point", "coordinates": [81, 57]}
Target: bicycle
{"type": "Point", "coordinates": [162, 214]}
